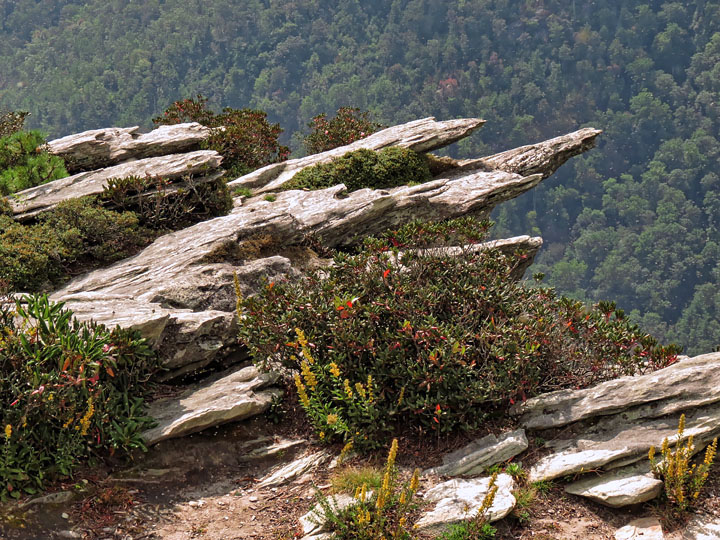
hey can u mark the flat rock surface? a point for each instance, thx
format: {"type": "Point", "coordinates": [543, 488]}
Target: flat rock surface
{"type": "Point", "coordinates": [295, 469]}
{"type": "Point", "coordinates": [32, 201]}
{"type": "Point", "coordinates": [458, 500]}
{"type": "Point", "coordinates": [474, 458]}
{"type": "Point", "coordinates": [702, 527]}
{"type": "Point", "coordinates": [687, 384]}
{"type": "Point", "coordinates": [102, 147]}
{"type": "Point", "coordinates": [230, 398]}
{"type": "Point", "coordinates": [641, 529]}
{"type": "Point", "coordinates": [620, 487]}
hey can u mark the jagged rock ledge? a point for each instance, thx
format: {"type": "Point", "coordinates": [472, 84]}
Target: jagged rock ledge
{"type": "Point", "coordinates": [179, 290]}
{"type": "Point", "coordinates": [103, 147]}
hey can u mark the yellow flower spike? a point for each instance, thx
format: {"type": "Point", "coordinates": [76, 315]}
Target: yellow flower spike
{"type": "Point", "coordinates": [332, 419]}
{"type": "Point", "coordinates": [357, 493]}
{"type": "Point", "coordinates": [415, 480]}
{"type": "Point", "coordinates": [334, 369]}
{"type": "Point", "coordinates": [363, 492]}
{"type": "Point", "coordinates": [651, 455]}
{"type": "Point", "coordinates": [370, 388]}
{"type": "Point", "coordinates": [238, 296]}
{"type": "Point", "coordinates": [308, 375]}
{"type": "Point", "coordinates": [403, 498]}
{"type": "Point", "coordinates": [360, 390]}
{"type": "Point", "coordinates": [301, 391]}
{"type": "Point", "coordinates": [85, 420]}
{"type": "Point", "coordinates": [681, 426]}
{"type": "Point", "coordinates": [348, 390]}
{"type": "Point", "coordinates": [392, 455]}
{"type": "Point", "coordinates": [344, 452]}
{"type": "Point", "coordinates": [8, 431]}
{"type": "Point", "coordinates": [402, 395]}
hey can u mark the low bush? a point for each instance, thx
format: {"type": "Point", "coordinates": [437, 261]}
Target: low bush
{"type": "Point", "coordinates": [244, 137]}
{"type": "Point", "coordinates": [23, 163]}
{"type": "Point", "coordinates": [390, 167]}
{"type": "Point", "coordinates": [386, 340]}
{"type": "Point", "coordinates": [76, 233]}
{"type": "Point", "coordinates": [166, 205]}
{"type": "Point", "coordinates": [69, 391]}
{"type": "Point", "coordinates": [349, 125]}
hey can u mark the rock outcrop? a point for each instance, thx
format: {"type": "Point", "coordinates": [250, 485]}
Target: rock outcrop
{"type": "Point", "coordinates": [33, 201]}
{"type": "Point", "coordinates": [179, 291]}
{"type": "Point", "coordinates": [420, 135]}
{"type": "Point", "coordinates": [615, 423]}
{"type": "Point", "coordinates": [104, 147]}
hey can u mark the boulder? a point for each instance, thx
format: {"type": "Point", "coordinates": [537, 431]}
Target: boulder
{"type": "Point", "coordinates": [621, 487]}
{"type": "Point", "coordinates": [33, 201]}
{"type": "Point", "coordinates": [702, 527]}
{"type": "Point", "coordinates": [459, 500]}
{"type": "Point", "coordinates": [229, 398]}
{"type": "Point", "coordinates": [103, 147]}
{"type": "Point", "coordinates": [474, 458]}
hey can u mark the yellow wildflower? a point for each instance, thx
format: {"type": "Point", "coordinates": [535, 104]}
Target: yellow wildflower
{"type": "Point", "coordinates": [348, 390]}
{"type": "Point", "coordinates": [8, 431]}
{"type": "Point", "coordinates": [301, 391]}
{"type": "Point", "coordinates": [415, 480]}
{"type": "Point", "coordinates": [321, 435]}
{"type": "Point", "coordinates": [85, 420]}
{"type": "Point", "coordinates": [308, 375]}
{"type": "Point", "coordinates": [360, 390]}
{"type": "Point", "coordinates": [334, 369]}
{"type": "Point", "coordinates": [332, 419]}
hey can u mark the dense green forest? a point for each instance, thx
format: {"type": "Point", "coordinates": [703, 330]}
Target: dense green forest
{"type": "Point", "coordinates": [637, 220]}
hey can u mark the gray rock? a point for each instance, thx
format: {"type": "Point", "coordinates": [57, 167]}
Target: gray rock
{"type": "Point", "coordinates": [459, 500]}
{"type": "Point", "coordinates": [621, 487]}
{"type": "Point", "coordinates": [102, 147]}
{"type": "Point", "coordinates": [313, 523]}
{"type": "Point", "coordinates": [687, 384]}
{"type": "Point", "coordinates": [541, 158]}
{"type": "Point", "coordinates": [33, 201]}
{"type": "Point", "coordinates": [287, 473]}
{"type": "Point", "coordinates": [474, 458]}
{"type": "Point", "coordinates": [648, 528]}
{"type": "Point", "coordinates": [230, 398]}
{"type": "Point", "coordinates": [420, 135]}
{"type": "Point", "coordinates": [702, 527]}
{"type": "Point", "coordinates": [59, 497]}
{"type": "Point", "coordinates": [622, 439]}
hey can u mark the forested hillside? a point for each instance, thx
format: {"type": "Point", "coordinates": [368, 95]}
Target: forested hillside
{"type": "Point", "coordinates": [637, 220]}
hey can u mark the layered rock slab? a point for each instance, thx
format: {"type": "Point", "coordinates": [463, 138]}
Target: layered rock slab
{"type": "Point", "coordinates": [234, 397]}
{"type": "Point", "coordinates": [188, 275]}
{"type": "Point", "coordinates": [98, 148]}
{"type": "Point", "coordinates": [420, 135]}
{"type": "Point", "coordinates": [689, 383]}
{"type": "Point", "coordinates": [618, 488]}
{"type": "Point", "coordinates": [459, 500]}
{"type": "Point", "coordinates": [474, 458]}
{"type": "Point", "coordinates": [33, 201]}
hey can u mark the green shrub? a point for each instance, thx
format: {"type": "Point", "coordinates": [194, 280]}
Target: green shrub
{"type": "Point", "coordinates": [244, 137]}
{"type": "Point", "coordinates": [349, 125]}
{"type": "Point", "coordinates": [390, 167]}
{"type": "Point", "coordinates": [77, 232]}
{"type": "Point", "coordinates": [437, 344]}
{"type": "Point", "coordinates": [23, 164]}
{"type": "Point", "coordinates": [69, 391]}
